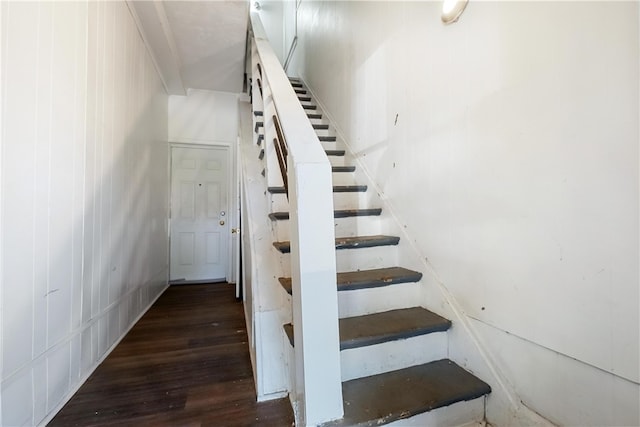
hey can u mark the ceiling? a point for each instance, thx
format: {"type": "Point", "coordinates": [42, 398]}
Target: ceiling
{"type": "Point", "coordinates": [196, 44]}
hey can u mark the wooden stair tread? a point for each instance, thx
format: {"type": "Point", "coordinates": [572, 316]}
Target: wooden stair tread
{"type": "Point", "coordinates": [391, 325]}
{"type": "Point", "coordinates": [335, 152]}
{"type": "Point", "coordinates": [296, 85]}
{"type": "Point", "coordinates": [309, 107]}
{"type": "Point", "coordinates": [303, 98]}
{"type": "Point", "coordinates": [364, 279]}
{"type": "Point", "coordinates": [340, 169]}
{"type": "Point", "coordinates": [327, 138]}
{"type": "Point", "coordinates": [314, 115]}
{"type": "Point", "coordinates": [395, 395]}
{"type": "Point", "coordinates": [321, 126]}
{"type": "Point", "coordinates": [349, 242]}
{"type": "Point", "coordinates": [257, 113]}
{"type": "Point", "coordinates": [339, 213]}
{"type": "Point", "coordinates": [370, 329]}
{"type": "Point", "coordinates": [336, 189]}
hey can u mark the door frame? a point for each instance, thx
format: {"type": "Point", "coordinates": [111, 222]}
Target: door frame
{"type": "Point", "coordinates": [232, 201]}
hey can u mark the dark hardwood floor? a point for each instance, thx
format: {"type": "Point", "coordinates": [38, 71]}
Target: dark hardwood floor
{"type": "Point", "coordinates": [185, 363]}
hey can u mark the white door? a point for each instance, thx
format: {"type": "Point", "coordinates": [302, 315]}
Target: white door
{"type": "Point", "coordinates": [199, 213]}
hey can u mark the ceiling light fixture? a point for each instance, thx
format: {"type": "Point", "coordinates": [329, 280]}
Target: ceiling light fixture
{"type": "Point", "coordinates": [452, 9]}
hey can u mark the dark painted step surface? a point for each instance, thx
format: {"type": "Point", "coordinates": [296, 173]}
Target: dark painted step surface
{"type": "Point", "coordinates": [257, 113]}
{"type": "Point", "coordinates": [340, 213]}
{"type": "Point", "coordinates": [336, 189]}
{"type": "Point", "coordinates": [260, 138]}
{"type": "Point", "coordinates": [335, 152]}
{"type": "Point", "coordinates": [314, 115]}
{"type": "Point", "coordinates": [391, 325]}
{"type": "Point", "coordinates": [343, 169]}
{"type": "Point", "coordinates": [301, 92]}
{"type": "Point", "coordinates": [321, 126]}
{"type": "Point", "coordinates": [327, 138]}
{"type": "Point", "coordinates": [296, 84]}
{"type": "Point", "coordinates": [309, 107]}
{"type": "Point", "coordinates": [349, 242]}
{"type": "Point", "coordinates": [261, 156]}
{"type": "Point", "coordinates": [258, 126]}
{"type": "Point", "coordinates": [396, 395]}
{"type": "Point", "coordinates": [371, 329]}
{"type": "Point", "coordinates": [304, 98]}
{"type": "Point", "coordinates": [364, 279]}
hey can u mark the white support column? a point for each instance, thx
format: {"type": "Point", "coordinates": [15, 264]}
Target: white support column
{"type": "Point", "coordinates": [315, 299]}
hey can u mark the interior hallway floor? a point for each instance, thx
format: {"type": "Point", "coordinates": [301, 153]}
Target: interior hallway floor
{"type": "Point", "coordinates": [186, 362]}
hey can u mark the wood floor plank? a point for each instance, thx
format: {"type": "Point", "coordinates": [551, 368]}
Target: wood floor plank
{"type": "Point", "coordinates": [186, 362]}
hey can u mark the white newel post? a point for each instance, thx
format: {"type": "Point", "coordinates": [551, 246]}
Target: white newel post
{"type": "Point", "coordinates": [318, 385]}
{"type": "Point", "coordinates": [315, 301]}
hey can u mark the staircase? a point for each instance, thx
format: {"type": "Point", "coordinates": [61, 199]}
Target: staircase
{"type": "Point", "coordinates": [393, 354]}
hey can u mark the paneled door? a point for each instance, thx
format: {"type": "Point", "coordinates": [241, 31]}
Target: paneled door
{"type": "Point", "coordinates": [199, 213]}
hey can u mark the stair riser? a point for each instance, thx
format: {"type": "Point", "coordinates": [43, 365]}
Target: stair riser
{"type": "Point", "coordinates": [374, 300]}
{"type": "Point", "coordinates": [345, 160]}
{"type": "Point", "coordinates": [355, 200]}
{"type": "Point", "coordinates": [344, 179]}
{"type": "Point", "coordinates": [345, 227]}
{"type": "Point", "coordinates": [332, 145]}
{"type": "Point", "coordinates": [376, 359]}
{"type": "Point", "coordinates": [366, 258]}
{"type": "Point", "coordinates": [461, 414]}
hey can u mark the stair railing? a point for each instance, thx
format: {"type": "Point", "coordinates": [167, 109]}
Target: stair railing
{"type": "Point", "coordinates": [306, 172]}
{"type": "Point", "coordinates": [282, 153]}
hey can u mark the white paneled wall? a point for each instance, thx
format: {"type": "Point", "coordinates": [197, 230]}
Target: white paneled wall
{"type": "Point", "coordinates": [84, 195]}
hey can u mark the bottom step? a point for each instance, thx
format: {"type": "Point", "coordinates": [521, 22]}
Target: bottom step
{"type": "Point", "coordinates": [395, 395]}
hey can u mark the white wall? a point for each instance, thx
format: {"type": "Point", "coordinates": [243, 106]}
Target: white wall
{"type": "Point", "coordinates": [84, 175]}
{"type": "Point", "coordinates": [204, 117]}
{"type": "Point", "coordinates": [272, 15]}
{"type": "Point", "coordinates": [507, 146]}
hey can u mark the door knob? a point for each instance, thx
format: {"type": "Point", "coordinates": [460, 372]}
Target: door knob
{"type": "Point", "coordinates": [222, 222]}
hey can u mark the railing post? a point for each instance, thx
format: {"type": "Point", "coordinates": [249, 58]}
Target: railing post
{"type": "Point", "coordinates": [315, 305]}
{"type": "Point", "coordinates": [318, 386]}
